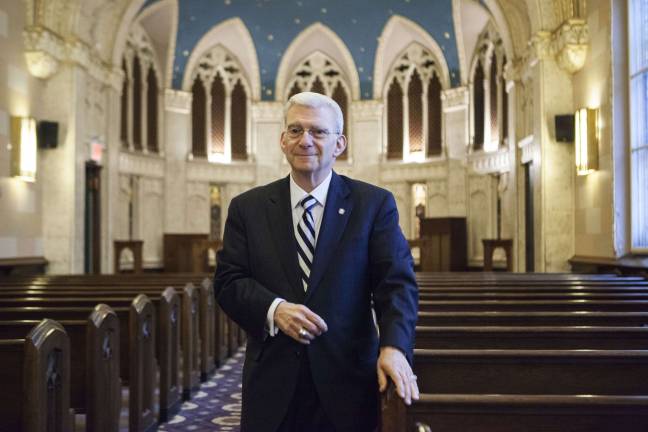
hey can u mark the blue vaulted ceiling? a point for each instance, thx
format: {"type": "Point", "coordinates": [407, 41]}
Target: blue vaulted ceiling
{"type": "Point", "coordinates": [274, 24]}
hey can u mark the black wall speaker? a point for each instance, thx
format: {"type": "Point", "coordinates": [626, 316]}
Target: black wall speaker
{"type": "Point", "coordinates": [564, 127]}
{"type": "Point", "coordinates": [47, 134]}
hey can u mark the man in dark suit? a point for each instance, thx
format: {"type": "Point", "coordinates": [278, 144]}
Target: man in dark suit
{"type": "Point", "coordinates": [303, 261]}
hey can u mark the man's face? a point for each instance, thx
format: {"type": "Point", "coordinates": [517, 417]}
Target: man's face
{"type": "Point", "coordinates": [308, 154]}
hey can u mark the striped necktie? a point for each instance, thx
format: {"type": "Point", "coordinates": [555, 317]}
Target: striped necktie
{"type": "Point", "coordinates": [305, 234]}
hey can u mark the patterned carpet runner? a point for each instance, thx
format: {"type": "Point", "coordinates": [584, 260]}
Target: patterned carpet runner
{"type": "Point", "coordinates": [216, 407]}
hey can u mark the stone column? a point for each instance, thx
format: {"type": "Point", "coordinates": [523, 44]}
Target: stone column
{"type": "Point", "coordinates": [554, 172]}
{"type": "Point", "coordinates": [456, 141]}
{"type": "Point", "coordinates": [177, 142]}
{"type": "Point", "coordinates": [366, 149]}
{"type": "Point", "coordinates": [63, 172]}
{"type": "Point", "coordinates": [110, 174]}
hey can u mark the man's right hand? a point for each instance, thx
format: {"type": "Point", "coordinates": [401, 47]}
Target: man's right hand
{"type": "Point", "coordinates": [299, 322]}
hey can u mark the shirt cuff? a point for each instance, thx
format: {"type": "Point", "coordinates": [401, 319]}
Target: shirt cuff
{"type": "Point", "coordinates": [272, 330]}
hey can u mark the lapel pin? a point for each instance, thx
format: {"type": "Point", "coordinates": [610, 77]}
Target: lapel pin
{"type": "Point", "coordinates": [341, 211]}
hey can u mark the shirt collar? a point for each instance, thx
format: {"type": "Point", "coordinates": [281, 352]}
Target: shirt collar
{"type": "Point", "coordinates": [319, 193]}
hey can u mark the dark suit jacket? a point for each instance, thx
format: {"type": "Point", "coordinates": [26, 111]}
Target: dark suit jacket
{"type": "Point", "coordinates": [360, 254]}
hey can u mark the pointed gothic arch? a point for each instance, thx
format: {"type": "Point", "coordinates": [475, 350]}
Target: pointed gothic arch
{"type": "Point", "coordinates": [316, 37]}
{"type": "Point", "coordinates": [221, 117]}
{"type": "Point", "coordinates": [391, 48]}
{"type": "Point", "coordinates": [413, 76]}
{"type": "Point", "coordinates": [233, 36]}
{"type": "Point", "coordinates": [488, 92]}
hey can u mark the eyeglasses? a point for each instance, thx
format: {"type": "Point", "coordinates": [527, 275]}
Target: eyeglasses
{"type": "Point", "coordinates": [317, 133]}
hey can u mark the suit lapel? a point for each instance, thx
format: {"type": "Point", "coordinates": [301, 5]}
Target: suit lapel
{"type": "Point", "coordinates": [281, 226]}
{"type": "Point", "coordinates": [336, 215]}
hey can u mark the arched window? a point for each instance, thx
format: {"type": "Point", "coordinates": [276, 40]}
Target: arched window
{"type": "Point", "coordinates": [414, 95]}
{"type": "Point", "coordinates": [395, 121]}
{"type": "Point", "coordinates": [504, 106]}
{"type": "Point", "coordinates": [239, 122]}
{"type": "Point", "coordinates": [414, 121]}
{"type": "Point", "coordinates": [218, 116]}
{"type": "Point", "coordinates": [434, 116]}
{"type": "Point", "coordinates": [140, 116]}
{"type": "Point", "coordinates": [137, 104]}
{"type": "Point", "coordinates": [223, 107]}
{"type": "Point", "coordinates": [198, 119]}
{"type": "Point", "coordinates": [151, 112]}
{"type": "Point", "coordinates": [489, 104]}
{"type": "Point", "coordinates": [123, 130]}
{"type": "Point", "coordinates": [340, 96]}
{"type": "Point", "coordinates": [320, 74]}
{"type": "Point", "coordinates": [492, 79]}
{"type": "Point", "coordinates": [478, 108]}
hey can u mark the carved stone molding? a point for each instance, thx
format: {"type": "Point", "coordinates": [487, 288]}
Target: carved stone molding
{"type": "Point", "coordinates": [570, 44]}
{"type": "Point", "coordinates": [151, 186]}
{"type": "Point", "coordinates": [408, 172]}
{"type": "Point", "coordinates": [267, 111]}
{"type": "Point", "coordinates": [44, 51]}
{"type": "Point", "coordinates": [197, 188]}
{"type": "Point", "coordinates": [437, 187]}
{"type": "Point", "coordinates": [367, 110]}
{"type": "Point", "coordinates": [203, 171]}
{"type": "Point", "coordinates": [41, 64]}
{"type": "Point", "coordinates": [477, 184]}
{"type": "Point", "coordinates": [526, 149]}
{"type": "Point", "coordinates": [491, 162]}
{"type": "Point", "coordinates": [177, 101]}
{"type": "Point", "coordinates": [455, 99]}
{"type": "Point", "coordinates": [142, 165]}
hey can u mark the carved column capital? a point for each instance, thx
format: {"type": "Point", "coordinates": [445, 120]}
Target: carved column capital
{"type": "Point", "coordinates": [455, 99]}
{"type": "Point", "coordinates": [570, 43]}
{"type": "Point", "coordinates": [43, 52]}
{"type": "Point", "coordinates": [177, 101]}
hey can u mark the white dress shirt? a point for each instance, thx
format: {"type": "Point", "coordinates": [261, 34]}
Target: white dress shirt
{"type": "Point", "coordinates": [297, 194]}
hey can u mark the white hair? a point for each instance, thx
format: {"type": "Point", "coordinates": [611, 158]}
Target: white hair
{"type": "Point", "coordinates": [316, 100]}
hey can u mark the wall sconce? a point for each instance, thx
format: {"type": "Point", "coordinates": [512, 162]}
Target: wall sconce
{"type": "Point", "coordinates": [23, 148]}
{"type": "Point", "coordinates": [586, 136]}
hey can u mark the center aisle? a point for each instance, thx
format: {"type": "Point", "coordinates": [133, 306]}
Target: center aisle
{"type": "Point", "coordinates": [216, 406]}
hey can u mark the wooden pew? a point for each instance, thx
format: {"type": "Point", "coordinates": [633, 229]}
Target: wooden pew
{"type": "Point", "coordinates": [530, 390]}
{"type": "Point", "coordinates": [569, 295]}
{"type": "Point", "coordinates": [529, 282]}
{"type": "Point", "coordinates": [547, 318]}
{"type": "Point", "coordinates": [505, 276]}
{"type": "Point", "coordinates": [604, 372]}
{"type": "Point", "coordinates": [35, 377]}
{"type": "Point", "coordinates": [207, 330]}
{"type": "Point", "coordinates": [190, 341]}
{"type": "Point", "coordinates": [515, 413]}
{"type": "Point", "coordinates": [95, 388]}
{"type": "Point", "coordinates": [210, 340]}
{"type": "Point", "coordinates": [547, 337]}
{"type": "Point", "coordinates": [67, 281]}
{"type": "Point", "coordinates": [535, 305]}
{"type": "Point", "coordinates": [138, 328]}
{"type": "Point", "coordinates": [169, 354]}
{"type": "Point", "coordinates": [214, 344]}
{"type": "Point", "coordinates": [141, 395]}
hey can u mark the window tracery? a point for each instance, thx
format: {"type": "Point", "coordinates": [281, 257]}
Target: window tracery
{"type": "Point", "coordinates": [220, 118]}
{"type": "Point", "coordinates": [413, 106]}
{"type": "Point", "coordinates": [140, 117]}
{"type": "Point", "coordinates": [489, 107]}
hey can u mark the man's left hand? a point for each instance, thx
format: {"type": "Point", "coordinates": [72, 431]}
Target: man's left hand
{"type": "Point", "coordinates": [393, 364]}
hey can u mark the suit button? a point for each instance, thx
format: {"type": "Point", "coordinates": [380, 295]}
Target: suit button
{"type": "Point", "coordinates": [297, 353]}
